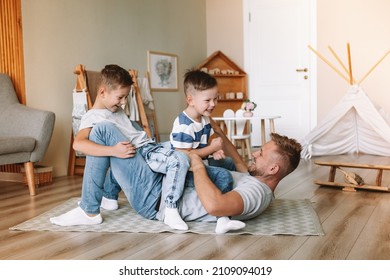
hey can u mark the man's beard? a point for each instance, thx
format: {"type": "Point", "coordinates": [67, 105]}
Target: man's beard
{"type": "Point", "coordinates": [253, 171]}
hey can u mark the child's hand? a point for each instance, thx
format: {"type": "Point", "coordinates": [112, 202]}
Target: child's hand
{"type": "Point", "coordinates": [124, 150]}
{"type": "Point", "coordinates": [216, 144]}
{"type": "Point", "coordinates": [219, 155]}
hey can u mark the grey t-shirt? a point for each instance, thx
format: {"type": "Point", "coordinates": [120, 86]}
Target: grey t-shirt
{"type": "Point", "coordinates": [256, 195]}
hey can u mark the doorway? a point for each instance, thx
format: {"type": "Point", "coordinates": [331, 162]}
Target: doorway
{"type": "Point", "coordinates": [281, 70]}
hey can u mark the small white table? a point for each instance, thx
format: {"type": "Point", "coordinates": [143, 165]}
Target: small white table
{"type": "Point", "coordinates": [262, 119]}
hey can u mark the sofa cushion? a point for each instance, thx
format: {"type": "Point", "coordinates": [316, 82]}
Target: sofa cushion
{"type": "Point", "coordinates": [16, 144]}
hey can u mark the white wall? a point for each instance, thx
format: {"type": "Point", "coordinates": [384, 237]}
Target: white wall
{"type": "Point", "coordinates": [60, 34]}
{"type": "Point", "coordinates": [363, 24]}
{"type": "Point", "coordinates": [225, 29]}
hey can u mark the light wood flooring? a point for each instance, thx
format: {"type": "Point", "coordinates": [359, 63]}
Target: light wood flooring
{"type": "Point", "coordinates": [356, 225]}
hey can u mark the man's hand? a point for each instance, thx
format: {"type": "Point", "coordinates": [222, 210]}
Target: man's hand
{"type": "Point", "coordinates": [123, 150]}
{"type": "Point", "coordinates": [215, 203]}
{"type": "Point", "coordinates": [195, 161]}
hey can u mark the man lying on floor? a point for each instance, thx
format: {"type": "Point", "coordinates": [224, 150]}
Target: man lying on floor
{"type": "Point", "coordinates": [106, 117]}
{"type": "Point", "coordinates": [252, 193]}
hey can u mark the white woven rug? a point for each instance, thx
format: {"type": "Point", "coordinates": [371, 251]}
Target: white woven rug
{"type": "Point", "coordinates": [287, 217]}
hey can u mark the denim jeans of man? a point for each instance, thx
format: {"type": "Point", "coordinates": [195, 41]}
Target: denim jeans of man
{"type": "Point", "coordinates": [141, 185]}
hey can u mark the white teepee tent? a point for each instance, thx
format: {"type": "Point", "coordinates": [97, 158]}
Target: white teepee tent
{"type": "Point", "coordinates": [355, 125]}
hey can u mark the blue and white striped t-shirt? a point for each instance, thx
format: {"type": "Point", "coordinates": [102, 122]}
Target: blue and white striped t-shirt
{"type": "Point", "coordinates": [189, 134]}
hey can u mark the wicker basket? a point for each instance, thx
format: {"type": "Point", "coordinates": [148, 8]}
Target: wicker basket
{"type": "Point", "coordinates": [11, 168]}
{"type": "Point", "coordinates": [43, 175]}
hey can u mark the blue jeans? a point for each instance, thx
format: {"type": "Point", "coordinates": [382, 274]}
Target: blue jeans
{"type": "Point", "coordinates": [140, 184]}
{"type": "Point", "coordinates": [173, 164]}
{"type": "Point", "coordinates": [219, 176]}
{"type": "Point", "coordinates": [226, 163]}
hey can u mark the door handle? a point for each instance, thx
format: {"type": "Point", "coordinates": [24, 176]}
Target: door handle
{"type": "Point", "coordinates": [302, 70]}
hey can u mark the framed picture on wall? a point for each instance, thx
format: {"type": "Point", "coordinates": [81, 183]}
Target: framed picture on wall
{"type": "Point", "coordinates": [162, 68]}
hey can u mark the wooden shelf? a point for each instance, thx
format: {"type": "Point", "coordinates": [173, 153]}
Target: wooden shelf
{"type": "Point", "coordinates": [229, 75]}
{"type": "Point", "coordinates": [231, 100]}
{"type": "Point", "coordinates": [226, 82]}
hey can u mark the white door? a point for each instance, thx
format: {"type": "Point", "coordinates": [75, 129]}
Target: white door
{"type": "Point", "coordinates": [280, 67]}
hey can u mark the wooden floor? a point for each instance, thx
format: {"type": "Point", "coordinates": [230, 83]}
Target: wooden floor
{"type": "Point", "coordinates": [356, 225]}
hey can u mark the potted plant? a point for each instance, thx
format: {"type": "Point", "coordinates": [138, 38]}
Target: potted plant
{"type": "Point", "coordinates": [249, 107]}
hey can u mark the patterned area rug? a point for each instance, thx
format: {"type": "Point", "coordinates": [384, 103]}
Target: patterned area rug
{"type": "Point", "coordinates": [287, 217]}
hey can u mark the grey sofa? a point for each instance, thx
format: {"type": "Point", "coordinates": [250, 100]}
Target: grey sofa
{"type": "Point", "coordinates": [25, 132]}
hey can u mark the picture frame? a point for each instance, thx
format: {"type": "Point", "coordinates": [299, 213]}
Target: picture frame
{"type": "Point", "coordinates": [163, 71]}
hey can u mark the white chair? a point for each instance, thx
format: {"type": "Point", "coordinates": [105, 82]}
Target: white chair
{"type": "Point", "coordinates": [229, 113]}
{"type": "Point", "coordinates": [239, 136]}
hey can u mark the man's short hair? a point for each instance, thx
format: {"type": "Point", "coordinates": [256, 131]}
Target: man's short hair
{"type": "Point", "coordinates": [290, 151]}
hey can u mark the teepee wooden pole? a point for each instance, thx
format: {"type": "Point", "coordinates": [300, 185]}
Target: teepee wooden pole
{"type": "Point", "coordinates": [339, 61]}
{"type": "Point", "coordinates": [350, 64]}
{"type": "Point", "coordinates": [327, 62]}
{"type": "Point", "coordinates": [373, 67]}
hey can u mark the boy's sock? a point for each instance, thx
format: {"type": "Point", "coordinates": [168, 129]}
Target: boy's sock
{"type": "Point", "coordinates": [224, 224]}
{"type": "Point", "coordinates": [173, 220]}
{"type": "Point", "coordinates": [76, 217]}
{"type": "Point", "coordinates": [109, 204]}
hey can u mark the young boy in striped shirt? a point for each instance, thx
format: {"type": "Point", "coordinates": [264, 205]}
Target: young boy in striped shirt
{"type": "Point", "coordinates": [192, 130]}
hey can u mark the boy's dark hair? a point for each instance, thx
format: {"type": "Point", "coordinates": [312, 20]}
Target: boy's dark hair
{"type": "Point", "coordinates": [114, 76]}
{"type": "Point", "coordinates": [198, 80]}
